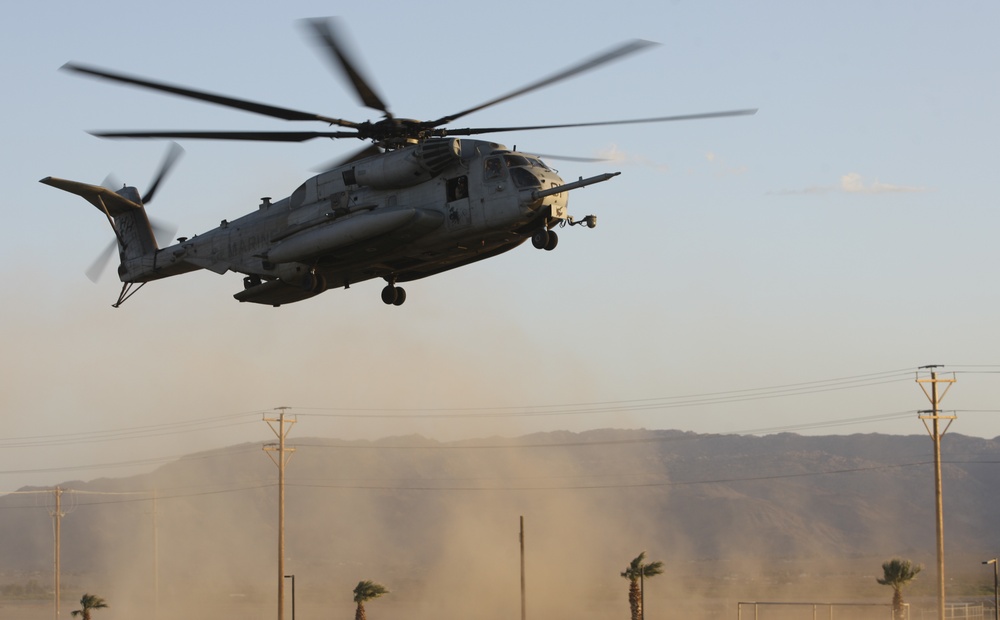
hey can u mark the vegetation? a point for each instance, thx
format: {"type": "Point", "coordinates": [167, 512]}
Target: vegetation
{"type": "Point", "coordinates": [897, 573]}
{"type": "Point", "coordinates": [635, 572]}
{"type": "Point", "coordinates": [366, 591]}
{"type": "Point", "coordinates": [89, 602]}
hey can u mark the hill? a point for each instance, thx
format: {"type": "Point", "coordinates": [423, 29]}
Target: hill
{"type": "Point", "coordinates": [732, 517]}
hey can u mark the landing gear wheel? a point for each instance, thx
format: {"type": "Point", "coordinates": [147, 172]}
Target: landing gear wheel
{"type": "Point", "coordinates": [552, 241]}
{"type": "Point", "coordinates": [313, 283]}
{"type": "Point", "coordinates": [393, 296]}
{"type": "Point", "coordinates": [389, 294]}
{"type": "Point", "coordinates": [540, 239]}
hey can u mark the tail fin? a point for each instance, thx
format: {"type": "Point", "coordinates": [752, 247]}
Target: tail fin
{"type": "Point", "coordinates": [125, 213]}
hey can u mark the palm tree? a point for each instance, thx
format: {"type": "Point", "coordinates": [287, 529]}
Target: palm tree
{"type": "Point", "coordinates": [366, 591]}
{"type": "Point", "coordinates": [897, 573]}
{"type": "Point", "coordinates": [87, 603]}
{"type": "Point", "coordinates": [634, 573]}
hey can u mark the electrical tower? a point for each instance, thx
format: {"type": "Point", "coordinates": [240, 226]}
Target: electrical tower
{"type": "Point", "coordinates": [278, 426]}
{"type": "Point", "coordinates": [935, 396]}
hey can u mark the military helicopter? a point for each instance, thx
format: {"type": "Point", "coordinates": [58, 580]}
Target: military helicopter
{"type": "Point", "coordinates": [415, 202]}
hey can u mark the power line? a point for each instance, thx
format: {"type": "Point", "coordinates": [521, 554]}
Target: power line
{"type": "Point", "coordinates": [667, 402]}
{"type": "Point", "coordinates": [346, 485]}
{"type": "Point", "coordinates": [645, 404]}
{"type": "Point", "coordinates": [155, 430]}
{"type": "Point", "coordinates": [582, 487]}
{"type": "Point", "coordinates": [519, 411]}
{"type": "Point", "coordinates": [355, 445]}
{"type": "Point", "coordinates": [130, 463]}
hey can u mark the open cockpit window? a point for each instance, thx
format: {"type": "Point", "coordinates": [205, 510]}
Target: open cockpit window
{"type": "Point", "coordinates": [457, 188]}
{"type": "Point", "coordinates": [492, 168]}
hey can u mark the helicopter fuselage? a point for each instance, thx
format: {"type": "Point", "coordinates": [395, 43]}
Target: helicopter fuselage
{"type": "Point", "coordinates": [400, 215]}
{"type": "Point", "coordinates": [418, 202]}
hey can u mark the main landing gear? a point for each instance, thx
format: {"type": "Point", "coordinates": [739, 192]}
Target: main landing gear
{"type": "Point", "coordinates": [393, 295]}
{"type": "Point", "coordinates": [313, 283]}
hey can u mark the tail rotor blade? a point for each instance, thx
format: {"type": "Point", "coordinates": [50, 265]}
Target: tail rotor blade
{"type": "Point", "coordinates": [173, 153]}
{"type": "Point", "coordinates": [112, 182]}
{"type": "Point", "coordinates": [97, 268]}
{"type": "Point", "coordinates": [163, 231]}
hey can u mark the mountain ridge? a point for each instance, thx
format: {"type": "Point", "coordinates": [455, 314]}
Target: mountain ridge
{"type": "Point", "coordinates": [415, 508]}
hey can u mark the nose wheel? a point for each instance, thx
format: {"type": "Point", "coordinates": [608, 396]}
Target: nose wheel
{"type": "Point", "coordinates": [393, 295]}
{"type": "Point", "coordinates": [545, 239]}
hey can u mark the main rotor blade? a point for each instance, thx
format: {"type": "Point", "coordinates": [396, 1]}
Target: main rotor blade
{"type": "Point", "coordinates": [173, 153]}
{"type": "Point", "coordinates": [241, 104]}
{"type": "Point", "coordinates": [471, 131]}
{"type": "Point", "coordinates": [328, 35]}
{"type": "Point", "coordinates": [613, 54]}
{"type": "Point", "coordinates": [262, 136]}
{"type": "Point", "coordinates": [368, 151]}
{"type": "Point", "coordinates": [577, 158]}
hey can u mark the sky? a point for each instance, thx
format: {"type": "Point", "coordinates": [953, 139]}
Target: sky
{"type": "Point", "coordinates": [788, 271]}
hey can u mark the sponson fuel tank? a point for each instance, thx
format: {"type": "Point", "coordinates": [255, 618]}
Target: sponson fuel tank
{"type": "Point", "coordinates": [405, 167]}
{"type": "Point", "coordinates": [341, 233]}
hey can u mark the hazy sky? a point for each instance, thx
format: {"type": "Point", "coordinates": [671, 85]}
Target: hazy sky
{"type": "Point", "coordinates": [848, 230]}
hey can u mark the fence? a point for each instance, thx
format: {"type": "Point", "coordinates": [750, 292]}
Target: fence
{"type": "Point", "coordinates": [772, 610]}
{"type": "Point", "coordinates": [954, 611]}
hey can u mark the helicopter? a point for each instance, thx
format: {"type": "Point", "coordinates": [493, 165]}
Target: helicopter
{"type": "Point", "coordinates": [420, 199]}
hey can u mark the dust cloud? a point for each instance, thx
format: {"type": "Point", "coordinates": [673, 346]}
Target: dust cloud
{"type": "Point", "coordinates": [438, 524]}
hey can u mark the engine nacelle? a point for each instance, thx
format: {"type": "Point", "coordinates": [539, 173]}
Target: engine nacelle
{"type": "Point", "coordinates": [408, 166]}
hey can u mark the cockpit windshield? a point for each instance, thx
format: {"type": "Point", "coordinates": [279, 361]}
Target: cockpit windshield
{"type": "Point", "coordinates": [521, 172]}
{"type": "Point", "coordinates": [514, 161]}
{"type": "Point", "coordinates": [524, 178]}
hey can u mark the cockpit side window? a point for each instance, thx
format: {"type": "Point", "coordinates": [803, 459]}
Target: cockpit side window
{"type": "Point", "coordinates": [457, 188]}
{"type": "Point", "coordinates": [493, 168]}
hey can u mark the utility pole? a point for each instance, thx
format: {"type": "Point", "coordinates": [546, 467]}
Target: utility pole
{"type": "Point", "coordinates": [996, 588]}
{"type": "Point", "coordinates": [292, 577]}
{"type": "Point", "coordinates": [521, 538]}
{"type": "Point", "coordinates": [281, 432]}
{"type": "Point", "coordinates": [57, 516]}
{"type": "Point", "coordinates": [156, 564]}
{"type": "Point", "coordinates": [935, 396]}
